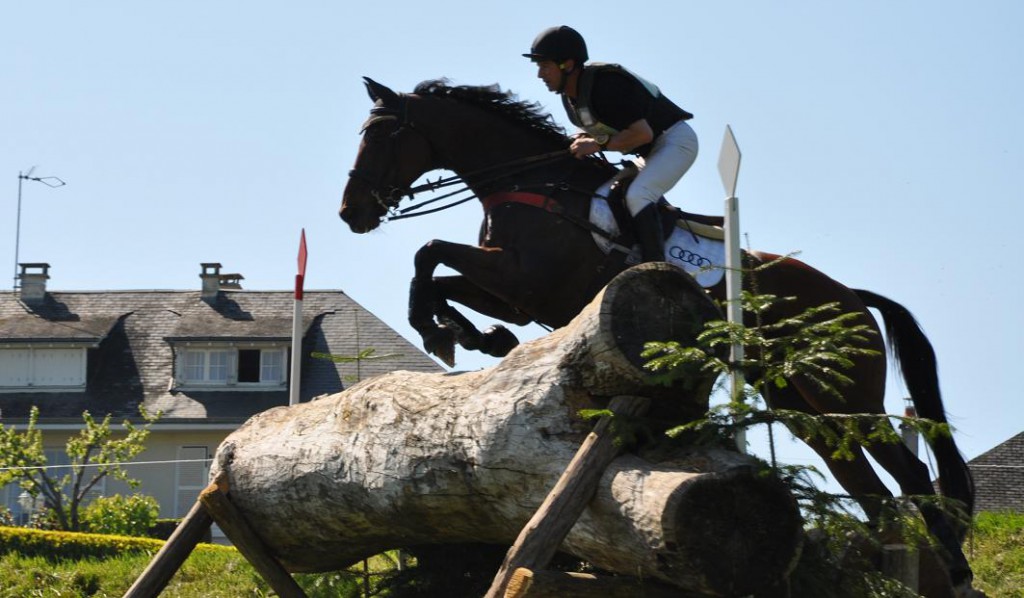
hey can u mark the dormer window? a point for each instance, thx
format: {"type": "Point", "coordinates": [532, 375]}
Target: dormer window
{"type": "Point", "coordinates": [250, 366]}
{"type": "Point", "coordinates": [42, 368]}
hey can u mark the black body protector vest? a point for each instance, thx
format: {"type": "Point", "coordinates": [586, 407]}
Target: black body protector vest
{"type": "Point", "coordinates": [663, 113]}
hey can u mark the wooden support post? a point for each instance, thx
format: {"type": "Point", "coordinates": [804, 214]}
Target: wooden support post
{"type": "Point", "coordinates": [174, 552]}
{"type": "Point", "coordinates": [543, 534]}
{"type": "Point", "coordinates": [237, 529]}
{"type": "Point", "coordinates": [557, 584]}
{"type": "Point", "coordinates": [902, 564]}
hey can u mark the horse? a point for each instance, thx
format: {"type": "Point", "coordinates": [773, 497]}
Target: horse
{"type": "Point", "coordinates": [537, 261]}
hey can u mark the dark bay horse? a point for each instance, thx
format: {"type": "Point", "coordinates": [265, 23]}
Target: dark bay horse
{"type": "Point", "coordinates": [537, 261]}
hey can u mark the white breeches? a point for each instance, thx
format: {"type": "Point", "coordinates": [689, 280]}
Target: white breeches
{"type": "Point", "coordinates": [673, 153]}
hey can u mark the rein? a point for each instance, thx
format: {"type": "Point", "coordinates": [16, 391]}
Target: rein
{"type": "Point", "coordinates": [506, 169]}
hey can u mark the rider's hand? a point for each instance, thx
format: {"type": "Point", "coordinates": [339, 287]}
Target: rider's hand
{"type": "Point", "coordinates": [584, 146]}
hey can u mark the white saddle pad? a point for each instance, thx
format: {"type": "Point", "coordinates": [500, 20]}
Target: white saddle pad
{"type": "Point", "coordinates": [701, 257]}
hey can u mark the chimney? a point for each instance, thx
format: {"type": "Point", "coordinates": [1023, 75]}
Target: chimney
{"type": "Point", "coordinates": [214, 281]}
{"type": "Point", "coordinates": [33, 279]}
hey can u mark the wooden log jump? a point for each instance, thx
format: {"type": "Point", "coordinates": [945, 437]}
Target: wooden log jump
{"type": "Point", "coordinates": [501, 456]}
{"type": "Point", "coordinates": [410, 458]}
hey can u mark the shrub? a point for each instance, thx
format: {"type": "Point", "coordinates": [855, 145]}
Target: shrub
{"type": "Point", "coordinates": [76, 546]}
{"type": "Point", "coordinates": [121, 515]}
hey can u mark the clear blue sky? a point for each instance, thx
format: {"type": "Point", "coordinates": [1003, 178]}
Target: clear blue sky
{"type": "Point", "coordinates": [881, 140]}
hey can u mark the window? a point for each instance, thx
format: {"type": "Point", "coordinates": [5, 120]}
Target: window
{"type": "Point", "coordinates": [230, 366]}
{"type": "Point", "coordinates": [191, 471]}
{"type": "Point", "coordinates": [42, 368]}
{"type": "Point", "coordinates": [207, 365]}
{"type": "Point", "coordinates": [272, 366]}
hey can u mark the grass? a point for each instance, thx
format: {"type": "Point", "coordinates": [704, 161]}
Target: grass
{"type": "Point", "coordinates": [219, 574]}
{"type": "Point", "coordinates": [996, 553]}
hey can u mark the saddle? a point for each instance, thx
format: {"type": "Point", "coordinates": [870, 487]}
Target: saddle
{"type": "Point", "coordinates": [693, 242]}
{"type": "Point", "coordinates": [709, 227]}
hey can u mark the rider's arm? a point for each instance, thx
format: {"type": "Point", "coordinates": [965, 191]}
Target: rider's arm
{"type": "Point", "coordinates": [637, 134]}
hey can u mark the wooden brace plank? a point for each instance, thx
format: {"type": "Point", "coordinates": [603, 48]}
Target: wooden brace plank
{"type": "Point", "coordinates": [237, 529]}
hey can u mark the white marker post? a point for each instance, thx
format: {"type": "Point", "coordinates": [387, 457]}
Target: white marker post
{"type": "Point", "coordinates": [296, 369]}
{"type": "Point", "coordinates": [729, 170]}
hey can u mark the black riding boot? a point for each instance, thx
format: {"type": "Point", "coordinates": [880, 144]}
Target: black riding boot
{"type": "Point", "coordinates": [647, 226]}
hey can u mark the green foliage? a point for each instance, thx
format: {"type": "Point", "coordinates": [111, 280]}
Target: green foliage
{"type": "Point", "coordinates": [130, 515]}
{"type": "Point", "coordinates": [626, 431]}
{"type": "Point", "coordinates": [94, 453]}
{"type": "Point", "coordinates": [364, 355]}
{"type": "Point", "coordinates": [36, 563]}
{"type": "Point", "coordinates": [206, 573]}
{"type": "Point", "coordinates": [997, 554]}
{"type": "Point", "coordinates": [74, 545]}
{"type": "Point", "coordinates": [817, 345]}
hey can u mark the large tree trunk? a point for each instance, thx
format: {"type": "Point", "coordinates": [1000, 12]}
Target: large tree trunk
{"type": "Point", "coordinates": [410, 458]}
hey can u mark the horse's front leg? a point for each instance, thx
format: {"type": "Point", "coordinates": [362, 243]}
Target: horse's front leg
{"type": "Point", "coordinates": [497, 340]}
{"type": "Point", "coordinates": [427, 297]}
{"type": "Point", "coordinates": [424, 304]}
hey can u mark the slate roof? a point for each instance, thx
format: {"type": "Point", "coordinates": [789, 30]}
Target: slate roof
{"type": "Point", "coordinates": [131, 359]}
{"type": "Point", "coordinates": [999, 477]}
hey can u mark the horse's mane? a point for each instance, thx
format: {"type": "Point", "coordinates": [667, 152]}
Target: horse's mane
{"type": "Point", "coordinates": [503, 103]}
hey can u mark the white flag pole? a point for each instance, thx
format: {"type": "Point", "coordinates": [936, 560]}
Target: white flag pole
{"type": "Point", "coordinates": [296, 369]}
{"type": "Point", "coordinates": [729, 170]}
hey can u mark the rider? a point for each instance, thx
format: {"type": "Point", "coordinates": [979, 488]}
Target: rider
{"type": "Point", "coordinates": [619, 111]}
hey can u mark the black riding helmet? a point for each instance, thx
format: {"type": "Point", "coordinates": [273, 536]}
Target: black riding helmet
{"type": "Point", "coordinates": [558, 44]}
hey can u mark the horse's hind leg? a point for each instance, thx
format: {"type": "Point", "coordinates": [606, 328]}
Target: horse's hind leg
{"type": "Point", "coordinates": [855, 475]}
{"type": "Point", "coordinates": [914, 479]}
{"type": "Point", "coordinates": [860, 480]}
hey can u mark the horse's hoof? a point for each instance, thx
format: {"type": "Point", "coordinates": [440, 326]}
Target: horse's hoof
{"type": "Point", "coordinates": [498, 341]}
{"type": "Point", "coordinates": [441, 343]}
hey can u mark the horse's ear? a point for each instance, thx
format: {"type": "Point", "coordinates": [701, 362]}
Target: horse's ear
{"type": "Point", "coordinates": [379, 92]}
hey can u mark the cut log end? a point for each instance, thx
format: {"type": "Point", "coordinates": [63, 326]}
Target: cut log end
{"type": "Point", "coordinates": [740, 529]}
{"type": "Point", "coordinates": [654, 302]}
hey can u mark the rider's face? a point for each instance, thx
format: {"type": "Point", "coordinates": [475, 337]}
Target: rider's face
{"type": "Point", "coordinates": [550, 74]}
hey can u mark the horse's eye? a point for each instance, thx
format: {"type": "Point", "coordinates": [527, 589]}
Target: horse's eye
{"type": "Point", "coordinates": [378, 127]}
{"type": "Point", "coordinates": [376, 133]}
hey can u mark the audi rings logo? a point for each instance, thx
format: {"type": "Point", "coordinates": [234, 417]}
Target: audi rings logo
{"type": "Point", "coordinates": [688, 257]}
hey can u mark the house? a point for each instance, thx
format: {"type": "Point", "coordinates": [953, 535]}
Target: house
{"type": "Point", "coordinates": [207, 359]}
{"type": "Point", "coordinates": [999, 477]}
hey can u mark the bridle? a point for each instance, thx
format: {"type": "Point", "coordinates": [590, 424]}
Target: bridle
{"type": "Point", "coordinates": [388, 195]}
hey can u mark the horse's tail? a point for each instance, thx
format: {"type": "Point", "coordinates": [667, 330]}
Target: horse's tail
{"type": "Point", "coordinates": [913, 352]}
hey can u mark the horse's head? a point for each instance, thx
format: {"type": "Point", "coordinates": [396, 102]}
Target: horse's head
{"type": "Point", "coordinates": [392, 155]}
